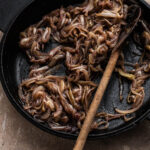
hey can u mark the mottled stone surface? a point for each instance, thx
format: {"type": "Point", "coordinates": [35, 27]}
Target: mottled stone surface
{"type": "Point", "coordinates": [16, 133]}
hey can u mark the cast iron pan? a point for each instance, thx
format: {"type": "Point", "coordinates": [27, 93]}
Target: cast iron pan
{"type": "Point", "coordinates": [14, 67]}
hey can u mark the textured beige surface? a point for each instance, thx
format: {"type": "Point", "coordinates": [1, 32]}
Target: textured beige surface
{"type": "Point", "coordinates": [16, 133]}
{"type": "Point", "coordinates": [1, 35]}
{"type": "Point", "coordinates": [148, 1]}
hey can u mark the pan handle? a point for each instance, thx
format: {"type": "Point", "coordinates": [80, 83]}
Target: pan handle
{"type": "Point", "coordinates": [9, 9]}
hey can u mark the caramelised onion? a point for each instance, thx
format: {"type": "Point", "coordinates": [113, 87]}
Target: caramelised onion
{"type": "Point", "coordinates": [87, 33]}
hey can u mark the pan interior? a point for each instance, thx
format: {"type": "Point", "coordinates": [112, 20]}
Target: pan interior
{"type": "Point", "coordinates": [16, 65]}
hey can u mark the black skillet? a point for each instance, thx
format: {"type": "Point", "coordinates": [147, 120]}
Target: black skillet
{"type": "Point", "coordinates": [14, 67]}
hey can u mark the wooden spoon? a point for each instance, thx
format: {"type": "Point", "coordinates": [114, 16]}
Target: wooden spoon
{"type": "Point", "coordinates": [104, 82]}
